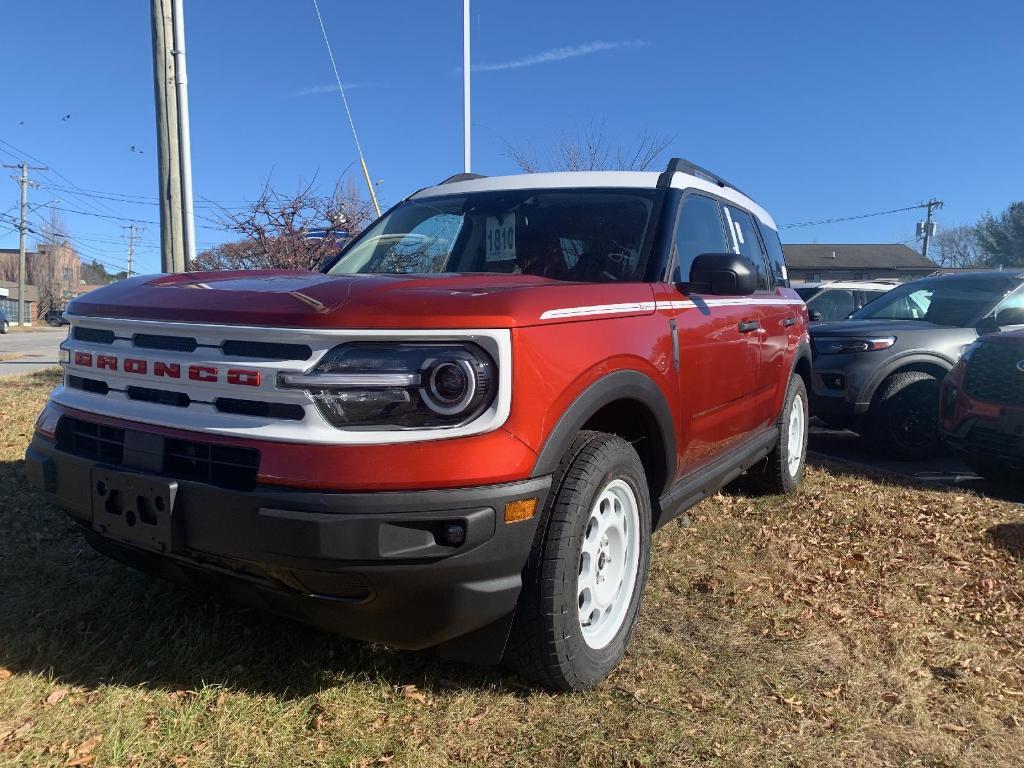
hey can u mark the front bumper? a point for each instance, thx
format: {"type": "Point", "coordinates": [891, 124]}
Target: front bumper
{"type": "Point", "coordinates": [378, 567]}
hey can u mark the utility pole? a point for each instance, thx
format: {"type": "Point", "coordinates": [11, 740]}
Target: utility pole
{"type": "Point", "coordinates": [133, 231]}
{"type": "Point", "coordinates": [465, 85]}
{"type": "Point", "coordinates": [22, 228]}
{"type": "Point", "coordinates": [184, 134]}
{"type": "Point", "coordinates": [927, 227]}
{"type": "Point", "coordinates": [172, 237]}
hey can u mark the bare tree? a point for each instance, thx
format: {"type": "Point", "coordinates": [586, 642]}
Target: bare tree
{"type": "Point", "coordinates": [958, 247]}
{"type": "Point", "coordinates": [288, 231]}
{"type": "Point", "coordinates": [54, 268]}
{"type": "Point", "coordinates": [590, 149]}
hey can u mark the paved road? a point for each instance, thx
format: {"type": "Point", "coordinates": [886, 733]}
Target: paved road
{"type": "Point", "coordinates": [946, 470]}
{"type": "Point", "coordinates": [35, 350]}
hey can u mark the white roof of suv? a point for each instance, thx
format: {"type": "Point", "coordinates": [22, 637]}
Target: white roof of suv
{"type": "Point", "coordinates": [577, 179]}
{"type": "Point", "coordinates": [859, 285]}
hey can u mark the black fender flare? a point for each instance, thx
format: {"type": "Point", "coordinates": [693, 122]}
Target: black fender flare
{"type": "Point", "coordinates": [802, 352]}
{"type": "Point", "coordinates": [620, 385]}
{"type": "Point", "coordinates": [894, 364]}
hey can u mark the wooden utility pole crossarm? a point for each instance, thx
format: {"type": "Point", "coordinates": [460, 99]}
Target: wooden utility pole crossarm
{"type": "Point", "coordinates": [22, 229]}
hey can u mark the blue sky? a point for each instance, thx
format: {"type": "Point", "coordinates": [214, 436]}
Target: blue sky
{"type": "Point", "coordinates": [817, 109]}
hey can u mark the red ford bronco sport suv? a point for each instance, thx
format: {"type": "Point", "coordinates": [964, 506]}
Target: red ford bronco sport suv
{"type": "Point", "coordinates": [463, 431]}
{"type": "Point", "coordinates": [982, 406]}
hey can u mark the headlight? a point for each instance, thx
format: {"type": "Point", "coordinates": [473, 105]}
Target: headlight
{"type": "Point", "coordinates": [400, 385]}
{"type": "Point", "coordinates": [825, 345]}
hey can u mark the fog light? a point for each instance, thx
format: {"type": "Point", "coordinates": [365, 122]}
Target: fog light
{"type": "Point", "coordinates": [834, 380]}
{"type": "Point", "coordinates": [523, 509]}
{"type": "Point", "coordinates": [454, 534]}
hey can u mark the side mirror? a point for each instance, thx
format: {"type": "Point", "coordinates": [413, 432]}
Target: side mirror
{"type": "Point", "coordinates": [722, 274]}
{"type": "Point", "coordinates": [814, 315]}
{"type": "Point", "coordinates": [326, 262]}
{"type": "Point", "coordinates": [987, 325]}
{"type": "Point", "coordinates": [1010, 316]}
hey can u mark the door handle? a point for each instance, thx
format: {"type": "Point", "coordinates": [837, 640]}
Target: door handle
{"type": "Point", "coordinates": [789, 321]}
{"type": "Point", "coordinates": [748, 326]}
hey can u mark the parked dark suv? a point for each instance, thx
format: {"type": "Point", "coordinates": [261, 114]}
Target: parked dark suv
{"type": "Point", "coordinates": [879, 372]}
{"type": "Point", "coordinates": [982, 405]}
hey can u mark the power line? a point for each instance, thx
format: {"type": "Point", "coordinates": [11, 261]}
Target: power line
{"type": "Point", "coordinates": [849, 218]}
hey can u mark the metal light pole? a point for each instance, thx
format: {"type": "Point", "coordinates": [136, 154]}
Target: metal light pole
{"type": "Point", "coordinates": [465, 82]}
{"type": "Point", "coordinates": [184, 136]}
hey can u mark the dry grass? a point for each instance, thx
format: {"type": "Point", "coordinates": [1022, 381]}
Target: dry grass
{"type": "Point", "coordinates": [854, 623]}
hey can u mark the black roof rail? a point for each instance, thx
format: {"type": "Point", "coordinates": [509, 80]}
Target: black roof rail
{"type": "Point", "coordinates": [462, 177]}
{"type": "Point", "coordinates": [679, 165]}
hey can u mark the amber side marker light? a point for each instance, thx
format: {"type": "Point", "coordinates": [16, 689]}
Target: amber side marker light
{"type": "Point", "coordinates": [520, 510]}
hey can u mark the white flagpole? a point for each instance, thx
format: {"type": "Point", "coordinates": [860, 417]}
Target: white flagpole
{"type": "Point", "coordinates": [465, 81]}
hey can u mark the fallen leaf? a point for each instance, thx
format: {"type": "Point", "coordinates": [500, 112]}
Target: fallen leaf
{"type": "Point", "coordinates": [410, 692]}
{"type": "Point", "coordinates": [5, 674]}
{"type": "Point", "coordinates": [18, 732]}
{"type": "Point", "coordinates": [56, 697]}
{"type": "Point", "coordinates": [83, 753]}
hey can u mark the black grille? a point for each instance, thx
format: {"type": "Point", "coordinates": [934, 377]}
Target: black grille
{"type": "Point", "coordinates": [161, 396]}
{"type": "Point", "coordinates": [221, 465]}
{"type": "Point", "coordinates": [267, 349]}
{"type": "Point", "coordinates": [95, 386]}
{"type": "Point", "coordinates": [174, 343]}
{"type": "Point", "coordinates": [91, 441]}
{"type": "Point", "coordinates": [94, 335]}
{"type": "Point", "coordinates": [992, 374]}
{"type": "Point", "coordinates": [994, 441]}
{"type": "Point", "coordinates": [262, 408]}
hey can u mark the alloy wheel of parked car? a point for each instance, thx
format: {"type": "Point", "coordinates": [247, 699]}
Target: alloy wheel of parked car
{"type": "Point", "coordinates": [586, 574]}
{"type": "Point", "coordinates": [904, 417]}
{"type": "Point", "coordinates": [5, 327]}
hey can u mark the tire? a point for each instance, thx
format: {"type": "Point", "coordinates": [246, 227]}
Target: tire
{"type": "Point", "coordinates": [5, 327]}
{"type": "Point", "coordinates": [904, 417]}
{"type": "Point", "coordinates": [599, 478]}
{"type": "Point", "coordinates": [784, 468]}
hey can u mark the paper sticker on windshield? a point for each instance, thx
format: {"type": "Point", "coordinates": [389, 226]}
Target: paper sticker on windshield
{"type": "Point", "coordinates": [501, 238]}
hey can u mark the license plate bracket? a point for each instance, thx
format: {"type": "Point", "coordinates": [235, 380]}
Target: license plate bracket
{"type": "Point", "coordinates": [136, 509]}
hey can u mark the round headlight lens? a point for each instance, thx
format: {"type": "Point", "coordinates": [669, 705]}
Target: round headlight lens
{"type": "Point", "coordinates": [453, 384]}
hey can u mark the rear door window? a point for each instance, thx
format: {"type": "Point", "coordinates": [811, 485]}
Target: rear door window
{"type": "Point", "coordinates": [699, 231]}
{"type": "Point", "coordinates": [740, 225]}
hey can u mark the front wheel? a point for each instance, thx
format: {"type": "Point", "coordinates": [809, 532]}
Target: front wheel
{"type": "Point", "coordinates": [586, 574]}
{"type": "Point", "coordinates": [783, 470]}
{"type": "Point", "coordinates": [5, 327]}
{"type": "Point", "coordinates": [904, 417]}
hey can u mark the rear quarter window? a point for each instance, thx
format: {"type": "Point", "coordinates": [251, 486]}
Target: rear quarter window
{"type": "Point", "coordinates": [773, 247]}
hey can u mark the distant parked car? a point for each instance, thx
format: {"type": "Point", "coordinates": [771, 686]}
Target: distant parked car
{"type": "Point", "coordinates": [982, 406]}
{"type": "Point", "coordinates": [55, 317]}
{"type": "Point", "coordinates": [879, 372]}
{"type": "Point", "coordinates": [5, 324]}
{"type": "Point", "coordinates": [838, 300]}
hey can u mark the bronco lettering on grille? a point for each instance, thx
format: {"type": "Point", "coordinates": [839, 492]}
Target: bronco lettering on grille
{"type": "Point", "coordinates": [241, 377]}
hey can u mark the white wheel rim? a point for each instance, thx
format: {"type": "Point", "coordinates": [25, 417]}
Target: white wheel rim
{"type": "Point", "coordinates": [797, 436]}
{"type": "Point", "coordinates": [608, 565]}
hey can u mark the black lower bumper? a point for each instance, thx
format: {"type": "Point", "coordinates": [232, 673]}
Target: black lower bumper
{"type": "Point", "coordinates": [1001, 441]}
{"type": "Point", "coordinates": [410, 569]}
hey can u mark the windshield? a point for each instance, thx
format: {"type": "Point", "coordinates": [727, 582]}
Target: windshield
{"type": "Point", "coordinates": [563, 234]}
{"type": "Point", "coordinates": [808, 291]}
{"type": "Point", "coordinates": [959, 302]}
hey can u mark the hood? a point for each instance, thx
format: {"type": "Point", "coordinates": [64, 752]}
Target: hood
{"type": "Point", "coordinates": [299, 299]}
{"type": "Point", "coordinates": [876, 327]}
